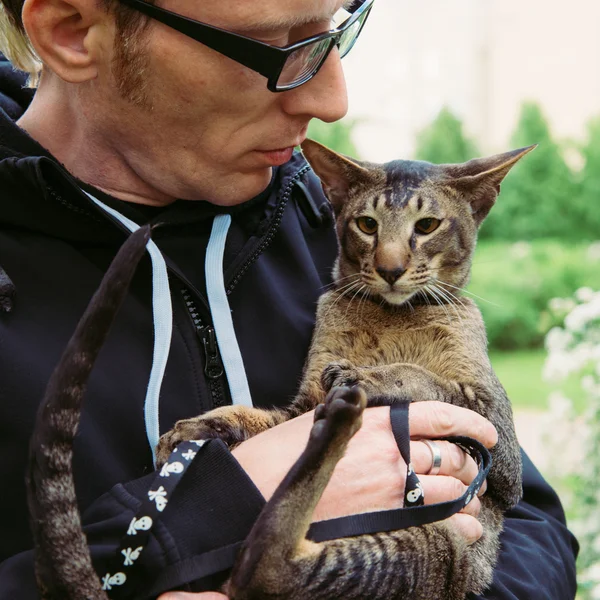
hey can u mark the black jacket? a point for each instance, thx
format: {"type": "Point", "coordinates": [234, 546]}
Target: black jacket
{"type": "Point", "coordinates": [55, 246]}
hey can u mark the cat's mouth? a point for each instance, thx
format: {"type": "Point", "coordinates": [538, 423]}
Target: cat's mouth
{"type": "Point", "coordinates": [397, 295]}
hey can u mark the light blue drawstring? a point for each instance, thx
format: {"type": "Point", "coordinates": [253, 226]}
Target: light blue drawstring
{"type": "Point", "coordinates": [221, 313]}
{"type": "Point", "coordinates": [163, 321]}
{"type": "Point", "coordinates": [163, 327]}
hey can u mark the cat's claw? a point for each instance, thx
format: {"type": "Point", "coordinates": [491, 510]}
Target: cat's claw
{"type": "Point", "coordinates": [198, 428]}
{"type": "Point", "coordinates": [340, 415]}
{"type": "Point", "coordinates": [340, 373]}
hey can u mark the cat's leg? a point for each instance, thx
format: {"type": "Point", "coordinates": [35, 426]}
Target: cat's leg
{"type": "Point", "coordinates": [390, 381]}
{"type": "Point", "coordinates": [232, 424]}
{"type": "Point", "coordinates": [275, 556]}
{"type": "Point", "coordinates": [277, 561]}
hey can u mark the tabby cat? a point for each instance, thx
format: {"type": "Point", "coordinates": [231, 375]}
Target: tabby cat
{"type": "Point", "coordinates": [395, 325]}
{"type": "Point", "coordinates": [394, 321]}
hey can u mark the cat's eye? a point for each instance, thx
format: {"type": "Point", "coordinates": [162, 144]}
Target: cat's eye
{"type": "Point", "coordinates": [367, 225]}
{"type": "Point", "coordinates": [426, 226]}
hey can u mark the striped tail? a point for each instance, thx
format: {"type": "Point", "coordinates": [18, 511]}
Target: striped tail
{"type": "Point", "coordinates": [63, 564]}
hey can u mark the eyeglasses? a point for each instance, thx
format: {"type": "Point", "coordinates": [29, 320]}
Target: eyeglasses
{"type": "Point", "coordinates": [285, 68]}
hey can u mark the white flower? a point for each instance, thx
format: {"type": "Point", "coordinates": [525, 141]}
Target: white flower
{"type": "Point", "coordinates": [584, 294]}
{"type": "Point", "coordinates": [560, 406]}
{"type": "Point", "coordinates": [561, 305]}
{"type": "Point", "coordinates": [588, 383]}
{"type": "Point", "coordinates": [582, 315]}
{"type": "Point", "coordinates": [520, 250]}
{"type": "Point", "coordinates": [593, 251]}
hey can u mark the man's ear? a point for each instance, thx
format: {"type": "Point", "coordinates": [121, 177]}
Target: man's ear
{"type": "Point", "coordinates": [478, 180]}
{"type": "Point", "coordinates": [336, 172]}
{"type": "Point", "coordinates": [65, 35]}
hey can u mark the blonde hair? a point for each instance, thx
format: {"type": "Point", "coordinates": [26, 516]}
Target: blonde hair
{"type": "Point", "coordinates": [15, 45]}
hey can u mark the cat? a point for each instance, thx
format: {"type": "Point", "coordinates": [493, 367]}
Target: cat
{"type": "Point", "coordinates": [395, 325]}
{"type": "Point", "coordinates": [393, 337]}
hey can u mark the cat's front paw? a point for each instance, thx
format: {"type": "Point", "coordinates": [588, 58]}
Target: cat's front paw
{"type": "Point", "coordinates": [340, 374]}
{"type": "Point", "coordinates": [338, 418]}
{"type": "Point", "coordinates": [205, 427]}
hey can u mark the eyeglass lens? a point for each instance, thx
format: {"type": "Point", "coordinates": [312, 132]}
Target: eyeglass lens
{"type": "Point", "coordinates": [302, 64]}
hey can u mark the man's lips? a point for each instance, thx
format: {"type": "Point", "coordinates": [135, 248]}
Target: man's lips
{"type": "Point", "coordinates": [281, 155]}
{"type": "Point", "coordinates": [277, 156]}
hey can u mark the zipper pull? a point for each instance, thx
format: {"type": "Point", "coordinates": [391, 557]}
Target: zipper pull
{"type": "Point", "coordinates": [213, 367]}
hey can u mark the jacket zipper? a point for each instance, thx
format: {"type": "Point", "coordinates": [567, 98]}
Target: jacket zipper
{"type": "Point", "coordinates": [273, 227]}
{"type": "Point", "coordinates": [213, 365]}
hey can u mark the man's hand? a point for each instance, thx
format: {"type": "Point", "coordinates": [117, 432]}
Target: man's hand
{"type": "Point", "coordinates": [371, 476]}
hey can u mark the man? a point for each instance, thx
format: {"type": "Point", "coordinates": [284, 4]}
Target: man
{"type": "Point", "coordinates": [163, 128]}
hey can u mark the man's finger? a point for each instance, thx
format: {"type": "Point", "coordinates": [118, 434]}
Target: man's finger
{"type": "Point", "coordinates": [434, 420]}
{"type": "Point", "coordinates": [455, 461]}
{"type": "Point", "coordinates": [440, 488]}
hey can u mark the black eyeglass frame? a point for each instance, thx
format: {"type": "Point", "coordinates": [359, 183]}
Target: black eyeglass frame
{"type": "Point", "coordinates": [262, 58]}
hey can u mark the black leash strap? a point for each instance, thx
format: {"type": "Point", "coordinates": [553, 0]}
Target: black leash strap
{"type": "Point", "coordinates": [124, 582]}
{"type": "Point", "coordinates": [415, 514]}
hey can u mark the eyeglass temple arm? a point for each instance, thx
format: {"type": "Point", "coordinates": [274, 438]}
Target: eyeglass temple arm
{"type": "Point", "coordinates": [253, 54]}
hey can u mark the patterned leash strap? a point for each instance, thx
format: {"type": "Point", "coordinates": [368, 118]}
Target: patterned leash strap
{"type": "Point", "coordinates": [413, 490]}
{"type": "Point", "coordinates": [122, 581]}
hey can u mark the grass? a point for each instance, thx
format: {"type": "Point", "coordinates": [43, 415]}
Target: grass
{"type": "Point", "coordinates": [520, 372]}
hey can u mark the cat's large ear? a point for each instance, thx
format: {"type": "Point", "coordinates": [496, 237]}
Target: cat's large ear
{"type": "Point", "coordinates": [479, 179]}
{"type": "Point", "coordinates": [336, 172]}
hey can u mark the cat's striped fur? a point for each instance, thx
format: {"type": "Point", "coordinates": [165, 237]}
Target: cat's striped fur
{"type": "Point", "coordinates": [63, 565]}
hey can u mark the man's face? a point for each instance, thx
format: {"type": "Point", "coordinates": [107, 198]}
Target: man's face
{"type": "Point", "coordinates": [210, 129]}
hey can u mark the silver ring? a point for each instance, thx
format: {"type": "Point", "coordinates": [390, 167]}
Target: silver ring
{"type": "Point", "coordinates": [436, 457]}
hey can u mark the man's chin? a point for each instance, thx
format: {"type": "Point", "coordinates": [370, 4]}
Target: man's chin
{"type": "Point", "coordinates": [242, 188]}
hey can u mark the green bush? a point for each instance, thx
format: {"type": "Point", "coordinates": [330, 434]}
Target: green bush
{"type": "Point", "coordinates": [444, 141]}
{"type": "Point", "coordinates": [590, 179]}
{"type": "Point", "coordinates": [518, 280]}
{"type": "Point", "coordinates": [337, 135]}
{"type": "Point", "coordinates": [540, 197]}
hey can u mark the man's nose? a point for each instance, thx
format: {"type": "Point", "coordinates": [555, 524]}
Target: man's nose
{"type": "Point", "coordinates": [323, 97]}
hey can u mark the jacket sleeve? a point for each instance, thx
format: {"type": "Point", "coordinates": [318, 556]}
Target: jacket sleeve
{"type": "Point", "coordinates": [214, 506]}
{"type": "Point", "coordinates": [538, 552]}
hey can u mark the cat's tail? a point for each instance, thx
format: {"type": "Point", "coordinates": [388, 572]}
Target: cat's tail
{"type": "Point", "coordinates": [63, 565]}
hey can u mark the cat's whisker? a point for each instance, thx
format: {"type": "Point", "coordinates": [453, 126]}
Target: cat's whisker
{"type": "Point", "coordinates": [445, 300]}
{"type": "Point", "coordinates": [347, 289]}
{"type": "Point", "coordinates": [425, 296]}
{"type": "Point", "coordinates": [351, 283]}
{"type": "Point", "coordinates": [437, 299]}
{"type": "Point", "coordinates": [346, 277]}
{"type": "Point", "coordinates": [457, 298]}
{"type": "Point", "coordinates": [363, 301]}
{"type": "Point", "coordinates": [465, 291]}
{"type": "Point", "coordinates": [358, 291]}
{"type": "Point", "coordinates": [449, 300]}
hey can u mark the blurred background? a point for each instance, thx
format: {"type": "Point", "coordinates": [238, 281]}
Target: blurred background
{"type": "Point", "coordinates": [448, 80]}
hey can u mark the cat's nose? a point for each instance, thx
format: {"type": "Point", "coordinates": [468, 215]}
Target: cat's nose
{"type": "Point", "coordinates": [391, 276]}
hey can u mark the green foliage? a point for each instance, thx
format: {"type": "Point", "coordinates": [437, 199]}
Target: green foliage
{"type": "Point", "coordinates": [520, 372]}
{"type": "Point", "coordinates": [444, 141]}
{"type": "Point", "coordinates": [539, 197]}
{"type": "Point", "coordinates": [337, 135]}
{"type": "Point", "coordinates": [518, 281]}
{"type": "Point", "coordinates": [590, 179]}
